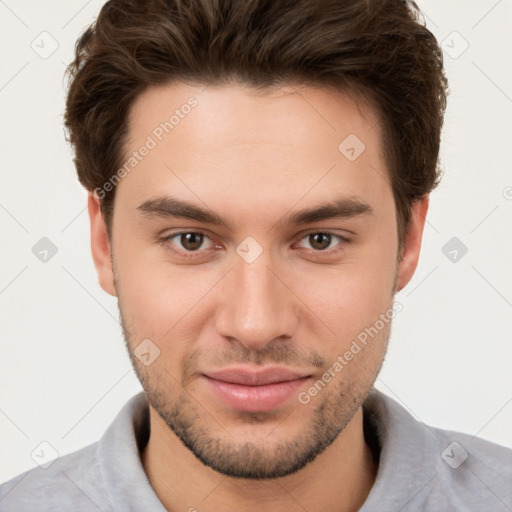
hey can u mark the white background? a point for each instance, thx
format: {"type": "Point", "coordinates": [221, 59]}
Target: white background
{"type": "Point", "coordinates": [64, 371]}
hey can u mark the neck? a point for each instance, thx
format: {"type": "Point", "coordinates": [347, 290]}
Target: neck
{"type": "Point", "coordinates": [338, 480]}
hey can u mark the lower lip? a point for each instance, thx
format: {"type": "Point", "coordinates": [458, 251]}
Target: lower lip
{"type": "Point", "coordinates": [255, 398]}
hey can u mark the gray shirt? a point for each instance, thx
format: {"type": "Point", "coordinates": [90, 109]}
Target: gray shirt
{"type": "Point", "coordinates": [420, 468]}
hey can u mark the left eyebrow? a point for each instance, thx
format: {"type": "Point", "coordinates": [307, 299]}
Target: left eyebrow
{"type": "Point", "coordinates": [343, 208]}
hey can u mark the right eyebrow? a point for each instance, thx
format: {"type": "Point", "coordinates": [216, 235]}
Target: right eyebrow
{"type": "Point", "coordinates": [169, 207]}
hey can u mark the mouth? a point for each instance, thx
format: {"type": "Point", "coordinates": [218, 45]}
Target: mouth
{"type": "Point", "coordinates": [255, 391]}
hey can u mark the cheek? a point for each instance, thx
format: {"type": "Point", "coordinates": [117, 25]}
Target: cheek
{"type": "Point", "coordinates": [348, 304]}
{"type": "Point", "coordinates": [161, 301]}
{"type": "Point", "coordinates": [350, 297]}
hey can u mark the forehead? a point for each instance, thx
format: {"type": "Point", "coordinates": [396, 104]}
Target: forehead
{"type": "Point", "coordinates": [248, 115]}
{"type": "Point", "coordinates": [235, 143]}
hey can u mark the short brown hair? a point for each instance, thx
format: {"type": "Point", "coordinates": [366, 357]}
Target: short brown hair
{"type": "Point", "coordinates": [375, 48]}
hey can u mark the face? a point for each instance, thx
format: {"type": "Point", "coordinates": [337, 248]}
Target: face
{"type": "Point", "coordinates": [250, 252]}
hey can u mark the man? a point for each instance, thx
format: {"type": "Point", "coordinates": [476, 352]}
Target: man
{"type": "Point", "coordinates": [259, 176]}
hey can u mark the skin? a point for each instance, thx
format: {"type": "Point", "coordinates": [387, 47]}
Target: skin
{"type": "Point", "coordinates": [254, 158]}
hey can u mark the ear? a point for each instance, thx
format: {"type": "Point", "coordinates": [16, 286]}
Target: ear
{"type": "Point", "coordinates": [412, 243]}
{"type": "Point", "coordinates": [100, 245]}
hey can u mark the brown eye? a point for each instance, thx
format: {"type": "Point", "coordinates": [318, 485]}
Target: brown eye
{"type": "Point", "coordinates": [191, 241]}
{"type": "Point", "coordinates": [188, 244]}
{"type": "Point", "coordinates": [323, 243]}
{"type": "Point", "coordinates": [320, 241]}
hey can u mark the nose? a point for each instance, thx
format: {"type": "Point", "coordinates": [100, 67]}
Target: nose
{"type": "Point", "coordinates": [257, 307]}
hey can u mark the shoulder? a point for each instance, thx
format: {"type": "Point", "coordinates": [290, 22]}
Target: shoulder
{"type": "Point", "coordinates": [101, 476]}
{"type": "Point", "coordinates": [71, 482]}
{"type": "Point", "coordinates": [475, 474]}
{"type": "Point", "coordinates": [428, 468]}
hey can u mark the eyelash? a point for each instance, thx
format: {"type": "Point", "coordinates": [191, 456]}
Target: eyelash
{"type": "Point", "coordinates": [191, 254]}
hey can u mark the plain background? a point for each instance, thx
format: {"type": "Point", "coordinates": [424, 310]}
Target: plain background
{"type": "Point", "coordinates": [64, 370]}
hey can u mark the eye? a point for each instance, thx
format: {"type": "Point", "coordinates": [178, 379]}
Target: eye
{"type": "Point", "coordinates": [321, 241]}
{"type": "Point", "coordinates": [193, 243]}
{"type": "Point", "coordinates": [188, 241]}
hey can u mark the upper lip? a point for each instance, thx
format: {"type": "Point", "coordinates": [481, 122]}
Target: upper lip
{"type": "Point", "coordinates": [255, 378]}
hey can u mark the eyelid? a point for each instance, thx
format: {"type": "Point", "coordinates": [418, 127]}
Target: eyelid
{"type": "Point", "coordinates": [327, 231]}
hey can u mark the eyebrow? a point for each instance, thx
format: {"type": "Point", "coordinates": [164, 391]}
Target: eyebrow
{"type": "Point", "coordinates": [169, 207]}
